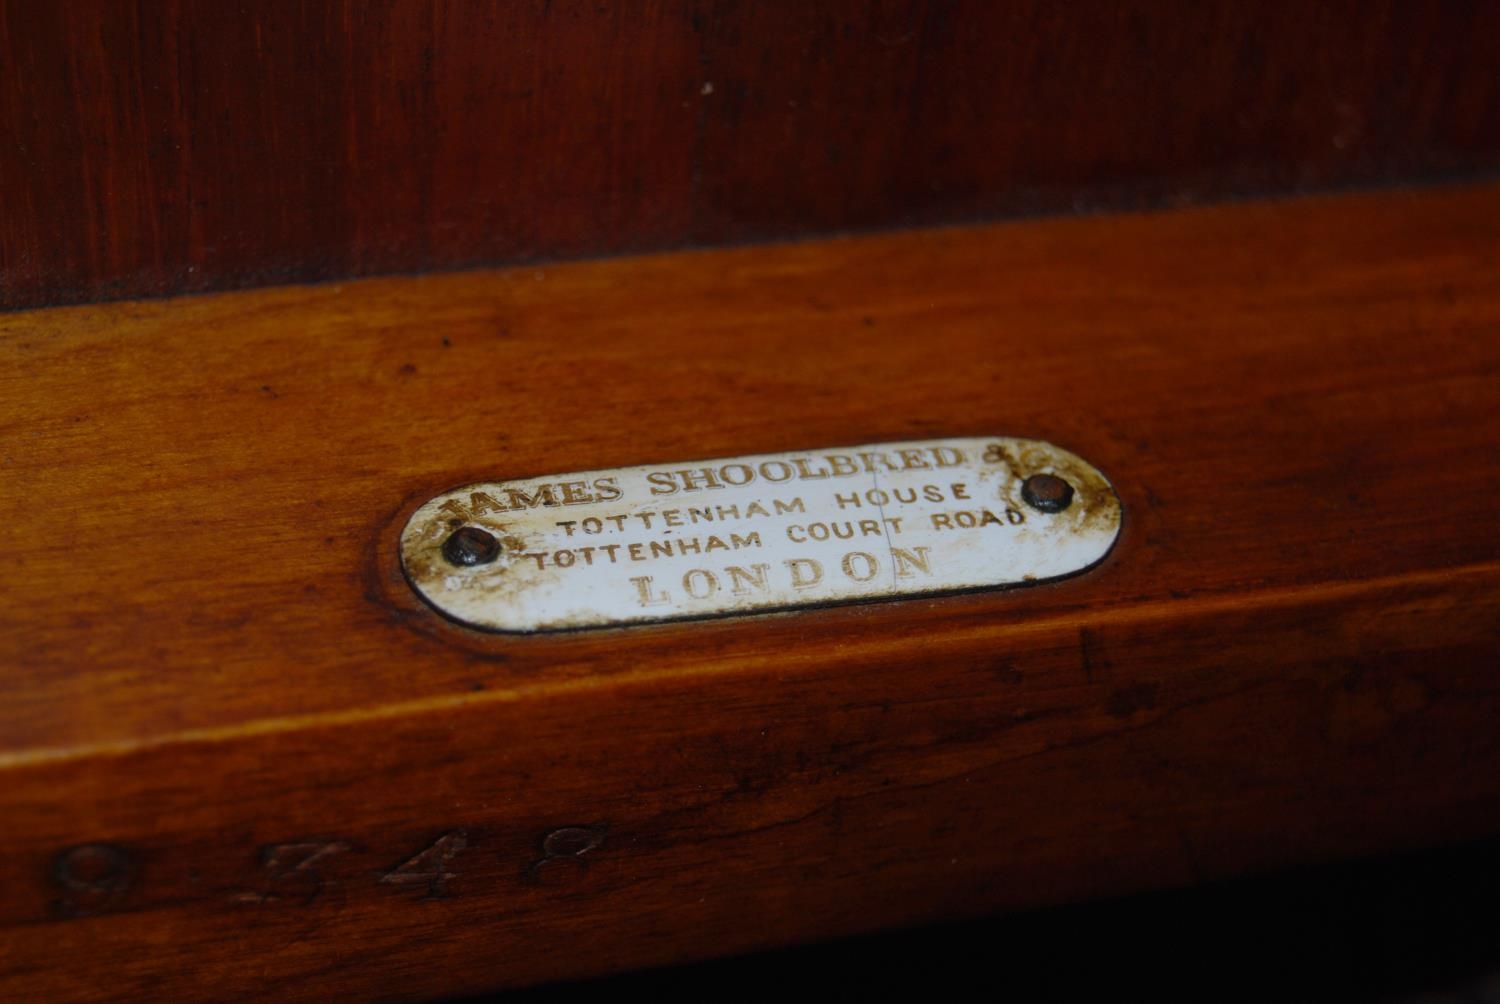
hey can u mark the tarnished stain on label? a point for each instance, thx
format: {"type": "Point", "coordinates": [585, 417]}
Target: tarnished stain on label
{"type": "Point", "coordinates": [760, 533]}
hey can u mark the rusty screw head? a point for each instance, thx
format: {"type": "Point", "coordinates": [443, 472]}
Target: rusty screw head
{"type": "Point", "coordinates": [469, 545]}
{"type": "Point", "coordinates": [1047, 493]}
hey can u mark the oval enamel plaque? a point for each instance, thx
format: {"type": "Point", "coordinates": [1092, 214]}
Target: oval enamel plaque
{"type": "Point", "coordinates": [749, 534]}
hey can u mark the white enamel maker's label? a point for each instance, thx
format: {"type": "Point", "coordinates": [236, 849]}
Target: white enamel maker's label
{"type": "Point", "coordinates": [746, 534]}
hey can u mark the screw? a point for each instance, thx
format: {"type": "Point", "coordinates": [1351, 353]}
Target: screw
{"type": "Point", "coordinates": [470, 545]}
{"type": "Point", "coordinates": [1047, 493]}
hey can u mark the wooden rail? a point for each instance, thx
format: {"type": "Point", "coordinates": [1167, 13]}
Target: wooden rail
{"type": "Point", "coordinates": [239, 758]}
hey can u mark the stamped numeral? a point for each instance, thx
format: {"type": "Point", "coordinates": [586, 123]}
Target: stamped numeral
{"type": "Point", "coordinates": [92, 878]}
{"type": "Point", "coordinates": [430, 867]}
{"type": "Point", "coordinates": [567, 845]}
{"type": "Point", "coordinates": [95, 878]}
{"type": "Point", "coordinates": [294, 871]}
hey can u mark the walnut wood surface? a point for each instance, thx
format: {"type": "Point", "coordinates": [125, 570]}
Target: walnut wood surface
{"type": "Point", "coordinates": [197, 144]}
{"type": "Point", "coordinates": [238, 758]}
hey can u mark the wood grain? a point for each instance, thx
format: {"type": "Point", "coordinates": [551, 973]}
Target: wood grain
{"type": "Point", "coordinates": [240, 759]}
{"type": "Point", "coordinates": [192, 144]}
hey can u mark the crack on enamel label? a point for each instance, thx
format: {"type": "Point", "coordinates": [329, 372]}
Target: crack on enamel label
{"type": "Point", "coordinates": [755, 534]}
